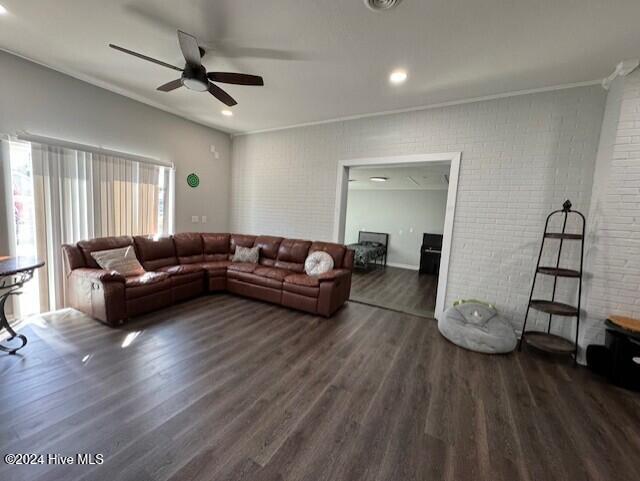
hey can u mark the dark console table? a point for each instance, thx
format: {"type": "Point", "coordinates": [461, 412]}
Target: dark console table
{"type": "Point", "coordinates": [14, 273]}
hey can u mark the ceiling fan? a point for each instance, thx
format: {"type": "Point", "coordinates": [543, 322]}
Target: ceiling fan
{"type": "Point", "coordinates": [194, 75]}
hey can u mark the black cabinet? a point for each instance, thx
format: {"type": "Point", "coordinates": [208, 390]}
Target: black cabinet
{"type": "Point", "coordinates": [430, 252]}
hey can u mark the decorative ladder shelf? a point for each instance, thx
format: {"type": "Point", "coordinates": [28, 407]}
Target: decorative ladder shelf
{"type": "Point", "coordinates": [546, 341]}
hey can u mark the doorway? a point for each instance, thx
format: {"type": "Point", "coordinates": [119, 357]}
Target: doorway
{"type": "Point", "coordinates": [397, 214]}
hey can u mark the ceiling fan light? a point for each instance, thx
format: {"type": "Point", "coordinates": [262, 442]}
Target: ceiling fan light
{"type": "Point", "coordinates": [397, 77]}
{"type": "Point", "coordinates": [195, 84]}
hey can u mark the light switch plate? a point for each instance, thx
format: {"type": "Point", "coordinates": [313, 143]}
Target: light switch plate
{"type": "Point", "coordinates": [203, 219]}
{"type": "Point", "coordinates": [195, 219]}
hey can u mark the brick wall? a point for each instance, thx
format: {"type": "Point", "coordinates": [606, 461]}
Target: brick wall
{"type": "Point", "coordinates": [614, 219]}
{"type": "Point", "coordinates": [522, 156]}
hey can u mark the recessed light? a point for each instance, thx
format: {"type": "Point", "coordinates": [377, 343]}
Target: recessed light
{"type": "Point", "coordinates": [397, 77]}
{"type": "Point", "coordinates": [378, 179]}
{"type": "Point", "coordinates": [3, 10]}
{"type": "Point", "coordinates": [227, 113]}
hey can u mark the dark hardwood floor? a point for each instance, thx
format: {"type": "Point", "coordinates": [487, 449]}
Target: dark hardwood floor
{"type": "Point", "coordinates": [403, 290]}
{"type": "Point", "coordinates": [225, 388]}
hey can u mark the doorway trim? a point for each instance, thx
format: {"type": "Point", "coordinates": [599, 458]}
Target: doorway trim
{"type": "Point", "coordinates": [342, 188]}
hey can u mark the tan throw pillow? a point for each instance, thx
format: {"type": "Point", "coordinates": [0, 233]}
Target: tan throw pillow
{"type": "Point", "coordinates": [247, 254]}
{"type": "Point", "coordinates": [317, 263]}
{"type": "Point", "coordinates": [122, 260]}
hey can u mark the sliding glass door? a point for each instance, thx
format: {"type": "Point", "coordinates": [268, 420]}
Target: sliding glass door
{"type": "Point", "coordinates": [62, 195]}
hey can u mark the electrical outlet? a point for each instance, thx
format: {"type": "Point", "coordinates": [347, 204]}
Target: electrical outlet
{"type": "Point", "coordinates": [195, 219]}
{"type": "Point", "coordinates": [203, 219]}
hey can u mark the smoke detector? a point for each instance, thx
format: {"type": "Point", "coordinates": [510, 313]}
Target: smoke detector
{"type": "Point", "coordinates": [381, 5]}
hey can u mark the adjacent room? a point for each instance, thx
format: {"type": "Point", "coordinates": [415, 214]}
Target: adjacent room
{"type": "Point", "coordinates": [395, 224]}
{"type": "Point", "coordinates": [364, 240]}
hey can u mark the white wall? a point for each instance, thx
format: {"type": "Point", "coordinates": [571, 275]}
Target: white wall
{"type": "Point", "coordinates": [404, 214]}
{"type": "Point", "coordinates": [614, 218]}
{"type": "Point", "coordinates": [44, 102]}
{"type": "Point", "coordinates": [522, 157]}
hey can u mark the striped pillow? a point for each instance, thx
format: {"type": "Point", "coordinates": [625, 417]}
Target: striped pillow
{"type": "Point", "coordinates": [247, 254]}
{"type": "Point", "coordinates": [122, 260]}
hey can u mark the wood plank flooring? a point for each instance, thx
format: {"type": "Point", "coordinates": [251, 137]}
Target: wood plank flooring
{"type": "Point", "coordinates": [225, 388]}
{"type": "Point", "coordinates": [403, 290]}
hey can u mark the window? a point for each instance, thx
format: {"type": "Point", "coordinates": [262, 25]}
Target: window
{"type": "Point", "coordinates": [62, 195]}
{"type": "Point", "coordinates": [24, 219]}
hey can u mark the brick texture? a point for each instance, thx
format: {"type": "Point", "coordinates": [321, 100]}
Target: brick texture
{"type": "Point", "coordinates": [614, 234]}
{"type": "Point", "coordinates": [522, 157]}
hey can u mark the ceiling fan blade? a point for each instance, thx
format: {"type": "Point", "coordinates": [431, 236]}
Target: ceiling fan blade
{"type": "Point", "coordinates": [221, 95]}
{"type": "Point", "coordinates": [235, 78]}
{"type": "Point", "coordinates": [144, 57]}
{"type": "Point", "coordinates": [169, 86]}
{"type": "Point", "coordinates": [189, 47]}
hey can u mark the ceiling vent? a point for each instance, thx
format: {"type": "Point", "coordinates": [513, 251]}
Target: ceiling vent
{"type": "Point", "coordinates": [381, 5]}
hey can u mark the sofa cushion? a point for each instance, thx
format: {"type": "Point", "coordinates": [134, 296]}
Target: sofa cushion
{"type": "Point", "coordinates": [317, 263]}
{"type": "Point", "coordinates": [155, 253]}
{"type": "Point", "coordinates": [334, 250]}
{"type": "Point", "coordinates": [189, 247]}
{"type": "Point", "coordinates": [301, 290]}
{"type": "Point", "coordinates": [179, 270]}
{"type": "Point", "coordinates": [102, 244]}
{"type": "Point", "coordinates": [215, 268]}
{"type": "Point", "coordinates": [269, 246]}
{"type": "Point", "coordinates": [254, 279]}
{"type": "Point", "coordinates": [292, 254]}
{"type": "Point", "coordinates": [242, 267]}
{"type": "Point", "coordinates": [240, 240]}
{"type": "Point", "coordinates": [302, 280]}
{"type": "Point", "coordinates": [272, 273]}
{"type": "Point", "coordinates": [247, 254]}
{"type": "Point", "coordinates": [146, 284]}
{"type": "Point", "coordinates": [216, 246]}
{"type": "Point", "coordinates": [122, 260]}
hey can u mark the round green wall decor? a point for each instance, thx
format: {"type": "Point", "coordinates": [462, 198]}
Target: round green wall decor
{"type": "Point", "coordinates": [193, 180]}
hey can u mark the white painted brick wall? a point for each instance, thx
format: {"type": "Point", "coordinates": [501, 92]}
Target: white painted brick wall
{"type": "Point", "coordinates": [521, 158]}
{"type": "Point", "coordinates": [614, 240]}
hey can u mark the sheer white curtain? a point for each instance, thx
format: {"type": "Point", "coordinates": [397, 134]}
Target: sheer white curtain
{"type": "Point", "coordinates": [80, 195]}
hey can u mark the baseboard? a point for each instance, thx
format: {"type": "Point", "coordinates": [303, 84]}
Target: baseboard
{"type": "Point", "coordinates": [403, 266]}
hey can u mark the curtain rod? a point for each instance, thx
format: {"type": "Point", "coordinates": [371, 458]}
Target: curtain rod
{"type": "Point", "coordinates": [25, 136]}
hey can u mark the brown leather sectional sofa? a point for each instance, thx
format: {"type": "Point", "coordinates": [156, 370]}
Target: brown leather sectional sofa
{"type": "Point", "coordinates": [187, 265]}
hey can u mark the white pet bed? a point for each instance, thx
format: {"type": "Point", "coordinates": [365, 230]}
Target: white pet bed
{"type": "Point", "coordinates": [477, 327]}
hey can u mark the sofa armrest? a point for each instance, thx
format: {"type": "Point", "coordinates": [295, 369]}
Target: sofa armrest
{"type": "Point", "coordinates": [98, 274]}
{"type": "Point", "coordinates": [98, 293]}
{"type": "Point", "coordinates": [334, 274]}
{"type": "Point", "coordinates": [335, 287]}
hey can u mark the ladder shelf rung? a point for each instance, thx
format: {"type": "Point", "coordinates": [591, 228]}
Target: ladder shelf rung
{"type": "Point", "coordinates": [549, 342]}
{"type": "Point", "coordinates": [553, 307]}
{"type": "Point", "coordinates": [560, 235]}
{"type": "Point", "coordinates": [558, 271]}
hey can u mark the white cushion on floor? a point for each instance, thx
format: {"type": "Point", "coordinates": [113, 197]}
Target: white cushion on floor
{"type": "Point", "coordinates": [477, 327]}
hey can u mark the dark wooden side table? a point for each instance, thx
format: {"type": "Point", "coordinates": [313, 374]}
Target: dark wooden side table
{"type": "Point", "coordinates": [14, 273]}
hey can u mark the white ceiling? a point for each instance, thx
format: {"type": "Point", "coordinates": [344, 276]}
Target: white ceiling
{"type": "Point", "coordinates": [326, 59]}
{"type": "Point", "coordinates": [423, 177]}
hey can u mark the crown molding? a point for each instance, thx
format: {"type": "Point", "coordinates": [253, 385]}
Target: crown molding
{"type": "Point", "coordinates": [427, 106]}
{"type": "Point", "coordinates": [623, 69]}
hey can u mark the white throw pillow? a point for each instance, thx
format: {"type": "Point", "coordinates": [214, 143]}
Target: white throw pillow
{"type": "Point", "coordinates": [317, 263]}
{"type": "Point", "coordinates": [122, 260]}
{"type": "Point", "coordinates": [247, 254]}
